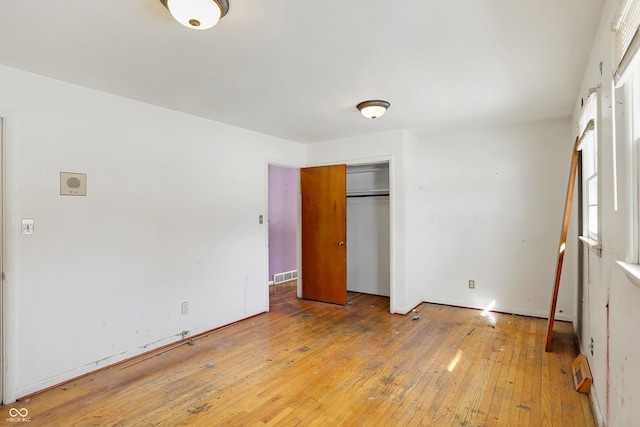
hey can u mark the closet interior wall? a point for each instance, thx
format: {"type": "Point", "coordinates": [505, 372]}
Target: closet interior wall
{"type": "Point", "coordinates": [368, 246]}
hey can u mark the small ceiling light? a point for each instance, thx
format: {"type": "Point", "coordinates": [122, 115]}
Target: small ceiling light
{"type": "Point", "coordinates": [373, 109]}
{"type": "Point", "coordinates": [197, 14]}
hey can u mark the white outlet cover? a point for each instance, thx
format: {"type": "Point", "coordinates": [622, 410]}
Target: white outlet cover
{"type": "Point", "coordinates": [27, 226]}
{"type": "Point", "coordinates": [73, 184]}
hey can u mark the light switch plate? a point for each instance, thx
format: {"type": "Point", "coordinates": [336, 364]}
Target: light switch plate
{"type": "Point", "coordinates": [73, 184]}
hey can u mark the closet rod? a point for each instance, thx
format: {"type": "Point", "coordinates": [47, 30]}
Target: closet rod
{"type": "Point", "coordinates": [368, 195]}
{"type": "Point", "coordinates": [381, 169]}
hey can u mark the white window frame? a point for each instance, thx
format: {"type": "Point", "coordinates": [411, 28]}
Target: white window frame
{"type": "Point", "coordinates": [632, 137]}
{"type": "Point", "coordinates": [626, 37]}
{"type": "Point", "coordinates": [633, 110]}
{"type": "Point", "coordinates": [626, 32]}
{"type": "Point", "coordinates": [588, 131]}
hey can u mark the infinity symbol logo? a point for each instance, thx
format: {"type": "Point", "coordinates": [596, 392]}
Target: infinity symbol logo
{"type": "Point", "coordinates": [22, 412]}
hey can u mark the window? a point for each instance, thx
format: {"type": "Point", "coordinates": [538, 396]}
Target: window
{"type": "Point", "coordinates": [628, 133]}
{"type": "Point", "coordinates": [589, 146]}
{"type": "Point", "coordinates": [626, 36]}
{"type": "Point", "coordinates": [634, 132]}
{"type": "Point", "coordinates": [627, 116]}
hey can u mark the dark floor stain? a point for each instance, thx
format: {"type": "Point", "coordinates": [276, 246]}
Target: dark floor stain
{"type": "Point", "coordinates": [526, 408]}
{"type": "Point", "coordinates": [199, 409]}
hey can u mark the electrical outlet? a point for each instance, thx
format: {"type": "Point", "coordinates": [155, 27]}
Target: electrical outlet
{"type": "Point", "coordinates": [27, 226]}
{"type": "Point", "coordinates": [185, 308]}
{"type": "Point", "coordinates": [472, 284]}
{"type": "Point", "coordinates": [591, 346]}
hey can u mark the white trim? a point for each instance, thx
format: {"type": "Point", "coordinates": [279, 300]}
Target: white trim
{"type": "Point", "coordinates": [590, 127]}
{"type": "Point", "coordinates": [590, 165]}
{"type": "Point", "coordinates": [614, 143]}
{"type": "Point", "coordinates": [2, 250]}
{"type": "Point", "coordinates": [632, 271]}
{"type": "Point", "coordinates": [9, 232]}
{"type": "Point", "coordinates": [393, 192]}
{"type": "Point", "coordinates": [592, 244]}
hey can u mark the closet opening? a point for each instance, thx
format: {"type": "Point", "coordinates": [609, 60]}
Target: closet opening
{"type": "Point", "coordinates": [368, 229]}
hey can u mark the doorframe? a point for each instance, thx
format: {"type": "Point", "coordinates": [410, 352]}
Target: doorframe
{"type": "Point", "coordinates": [297, 167]}
{"type": "Point", "coordinates": [7, 296]}
{"type": "Point", "coordinates": [2, 234]}
{"type": "Point", "coordinates": [392, 218]}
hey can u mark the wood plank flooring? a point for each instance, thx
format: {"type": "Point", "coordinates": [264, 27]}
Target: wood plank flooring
{"type": "Point", "coordinates": [313, 364]}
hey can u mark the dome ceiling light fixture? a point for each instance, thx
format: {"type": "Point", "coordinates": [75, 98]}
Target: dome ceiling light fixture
{"type": "Point", "coordinates": [197, 14]}
{"type": "Point", "coordinates": [373, 109]}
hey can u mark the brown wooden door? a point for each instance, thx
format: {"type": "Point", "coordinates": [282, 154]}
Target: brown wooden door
{"type": "Point", "coordinates": [324, 233]}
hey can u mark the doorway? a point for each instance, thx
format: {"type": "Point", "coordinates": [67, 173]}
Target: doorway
{"type": "Point", "coordinates": [282, 225]}
{"type": "Point", "coordinates": [346, 226]}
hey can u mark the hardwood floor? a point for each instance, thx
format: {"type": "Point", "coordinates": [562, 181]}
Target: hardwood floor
{"type": "Point", "coordinates": [313, 364]}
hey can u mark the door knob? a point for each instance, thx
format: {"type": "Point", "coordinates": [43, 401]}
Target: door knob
{"type": "Point", "coordinates": [341, 243]}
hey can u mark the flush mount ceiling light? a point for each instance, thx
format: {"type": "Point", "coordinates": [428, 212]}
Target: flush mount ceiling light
{"type": "Point", "coordinates": [373, 109]}
{"type": "Point", "coordinates": [197, 14]}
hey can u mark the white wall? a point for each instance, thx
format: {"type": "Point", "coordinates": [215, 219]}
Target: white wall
{"type": "Point", "coordinates": [488, 206]}
{"type": "Point", "coordinates": [485, 205]}
{"type": "Point", "coordinates": [171, 216]}
{"type": "Point", "coordinates": [609, 299]}
{"type": "Point", "coordinates": [368, 247]}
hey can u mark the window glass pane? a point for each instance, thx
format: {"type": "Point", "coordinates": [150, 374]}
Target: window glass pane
{"type": "Point", "coordinates": [595, 151]}
{"type": "Point", "coordinates": [585, 159]}
{"type": "Point", "coordinates": [593, 222]}
{"type": "Point", "coordinates": [588, 154]}
{"type": "Point", "coordinates": [592, 195]}
{"type": "Point", "coordinates": [634, 131]}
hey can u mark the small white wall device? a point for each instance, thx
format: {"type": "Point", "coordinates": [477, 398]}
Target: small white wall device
{"type": "Point", "coordinates": [73, 184]}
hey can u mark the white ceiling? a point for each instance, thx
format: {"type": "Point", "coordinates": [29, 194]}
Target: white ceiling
{"type": "Point", "coordinates": [296, 68]}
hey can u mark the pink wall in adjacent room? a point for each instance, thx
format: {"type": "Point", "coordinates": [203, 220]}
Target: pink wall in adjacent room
{"type": "Point", "coordinates": [282, 219]}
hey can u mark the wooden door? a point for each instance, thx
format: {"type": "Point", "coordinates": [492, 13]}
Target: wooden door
{"type": "Point", "coordinates": [324, 233]}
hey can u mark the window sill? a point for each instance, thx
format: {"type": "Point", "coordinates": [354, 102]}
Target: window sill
{"type": "Point", "coordinates": [632, 271]}
{"type": "Point", "coordinates": [594, 245]}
